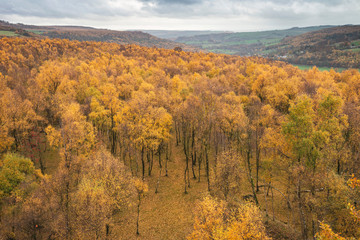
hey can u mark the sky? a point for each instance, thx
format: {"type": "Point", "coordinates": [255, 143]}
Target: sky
{"type": "Point", "coordinates": [224, 15]}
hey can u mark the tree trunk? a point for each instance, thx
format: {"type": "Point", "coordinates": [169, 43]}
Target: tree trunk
{"type": "Point", "coordinates": [257, 153]}
{"type": "Point", "coordinates": [148, 157]}
{"type": "Point", "coordinates": [107, 231]}
{"type": "Point", "coordinates": [304, 229]}
{"type": "Point", "coordinates": [250, 176]}
{"type": "Point", "coordinates": [138, 215]}
{"type": "Point", "coordinates": [68, 233]}
{"type": "Point", "coordinates": [113, 134]}
{"type": "Point", "coordinates": [207, 167]}
{"type": "Point", "coordinates": [166, 160]}
{"type": "Point", "coordinates": [193, 153]}
{"type": "Point", "coordinates": [199, 162]}
{"type": "Point", "coordinates": [176, 134]}
{"type": "Point", "coordinates": [42, 166]}
{"type": "Point", "coordinates": [151, 161]}
{"type": "Point", "coordinates": [193, 164]}
{"type": "Point", "coordinates": [143, 163]}
{"type": "Point", "coordinates": [272, 204]}
{"type": "Point", "coordinates": [160, 168]}
{"type": "Point", "coordinates": [186, 152]}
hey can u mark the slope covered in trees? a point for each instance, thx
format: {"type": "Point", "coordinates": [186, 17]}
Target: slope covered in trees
{"type": "Point", "coordinates": [88, 34]}
{"type": "Point", "coordinates": [109, 141]}
{"type": "Point", "coordinates": [243, 43]}
{"type": "Point", "coordinates": [337, 47]}
{"type": "Point", "coordinates": [323, 46]}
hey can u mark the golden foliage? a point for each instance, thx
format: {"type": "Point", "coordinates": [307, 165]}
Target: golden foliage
{"type": "Point", "coordinates": [214, 221]}
{"type": "Point", "coordinates": [290, 129]}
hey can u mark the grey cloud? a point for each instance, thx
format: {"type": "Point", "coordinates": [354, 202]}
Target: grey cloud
{"type": "Point", "coordinates": [279, 13]}
{"type": "Point", "coordinates": [233, 8]}
{"type": "Point", "coordinates": [172, 2]}
{"type": "Point", "coordinates": [60, 8]}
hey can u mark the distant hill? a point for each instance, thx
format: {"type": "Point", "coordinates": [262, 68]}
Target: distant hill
{"type": "Point", "coordinates": [336, 47]}
{"type": "Point", "coordinates": [324, 46]}
{"type": "Point", "coordinates": [244, 43]}
{"type": "Point", "coordinates": [89, 34]}
{"type": "Point", "coordinates": [173, 35]}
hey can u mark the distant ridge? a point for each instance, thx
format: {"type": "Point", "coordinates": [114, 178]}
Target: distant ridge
{"type": "Point", "coordinates": [244, 43]}
{"type": "Point", "coordinates": [82, 33]}
{"type": "Point", "coordinates": [174, 34]}
{"type": "Point", "coordinates": [324, 46]}
{"type": "Point", "coordinates": [336, 47]}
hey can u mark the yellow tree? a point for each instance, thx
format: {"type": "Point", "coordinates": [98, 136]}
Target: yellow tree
{"type": "Point", "coordinates": [228, 174]}
{"type": "Point", "coordinates": [104, 109]}
{"type": "Point", "coordinates": [18, 179]}
{"type": "Point", "coordinates": [21, 118]}
{"type": "Point", "coordinates": [76, 140]}
{"type": "Point", "coordinates": [148, 125]}
{"type": "Point", "coordinates": [213, 220]}
{"type": "Point", "coordinates": [105, 189]}
{"type": "Point", "coordinates": [333, 122]}
{"type": "Point", "coordinates": [5, 139]}
{"type": "Point", "coordinates": [188, 117]}
{"type": "Point", "coordinates": [75, 136]}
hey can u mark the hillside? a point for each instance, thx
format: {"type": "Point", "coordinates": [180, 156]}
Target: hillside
{"type": "Point", "coordinates": [89, 34]}
{"type": "Point", "coordinates": [337, 47]}
{"type": "Point", "coordinates": [243, 43]}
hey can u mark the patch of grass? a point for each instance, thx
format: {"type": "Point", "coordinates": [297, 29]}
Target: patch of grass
{"type": "Point", "coordinates": [353, 50]}
{"type": "Point", "coordinates": [193, 42]}
{"type": "Point", "coordinates": [268, 51]}
{"type": "Point", "coordinates": [272, 42]}
{"type": "Point", "coordinates": [36, 32]}
{"type": "Point", "coordinates": [307, 67]}
{"type": "Point", "coordinates": [355, 43]}
{"type": "Point", "coordinates": [222, 51]}
{"type": "Point", "coordinates": [8, 33]}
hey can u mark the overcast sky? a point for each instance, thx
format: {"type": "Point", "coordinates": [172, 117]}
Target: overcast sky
{"type": "Point", "coordinates": [230, 15]}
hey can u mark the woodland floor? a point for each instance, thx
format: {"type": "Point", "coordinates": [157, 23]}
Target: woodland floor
{"type": "Point", "coordinates": [167, 214]}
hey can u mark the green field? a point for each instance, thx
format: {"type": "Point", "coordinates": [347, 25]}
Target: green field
{"type": "Point", "coordinates": [8, 33]}
{"type": "Point", "coordinates": [307, 67]}
{"type": "Point", "coordinates": [222, 51]}
{"type": "Point", "coordinates": [355, 43]}
{"type": "Point", "coordinates": [36, 32]}
{"type": "Point", "coordinates": [353, 50]}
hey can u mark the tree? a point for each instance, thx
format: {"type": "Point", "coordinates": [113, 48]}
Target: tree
{"type": "Point", "coordinates": [14, 170]}
{"type": "Point", "coordinates": [213, 220]}
{"type": "Point", "coordinates": [301, 136]}
{"type": "Point", "coordinates": [333, 123]}
{"type": "Point", "coordinates": [327, 234]}
{"type": "Point", "coordinates": [105, 189]}
{"type": "Point", "coordinates": [104, 109]}
{"type": "Point", "coordinates": [5, 140]}
{"type": "Point", "coordinates": [141, 189]}
{"type": "Point", "coordinates": [76, 135]}
{"type": "Point", "coordinates": [82, 203]}
{"type": "Point", "coordinates": [149, 126]}
{"type": "Point", "coordinates": [228, 174]}
{"type": "Point", "coordinates": [18, 179]}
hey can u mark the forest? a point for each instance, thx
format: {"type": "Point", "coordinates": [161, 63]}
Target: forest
{"type": "Point", "coordinates": [97, 137]}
